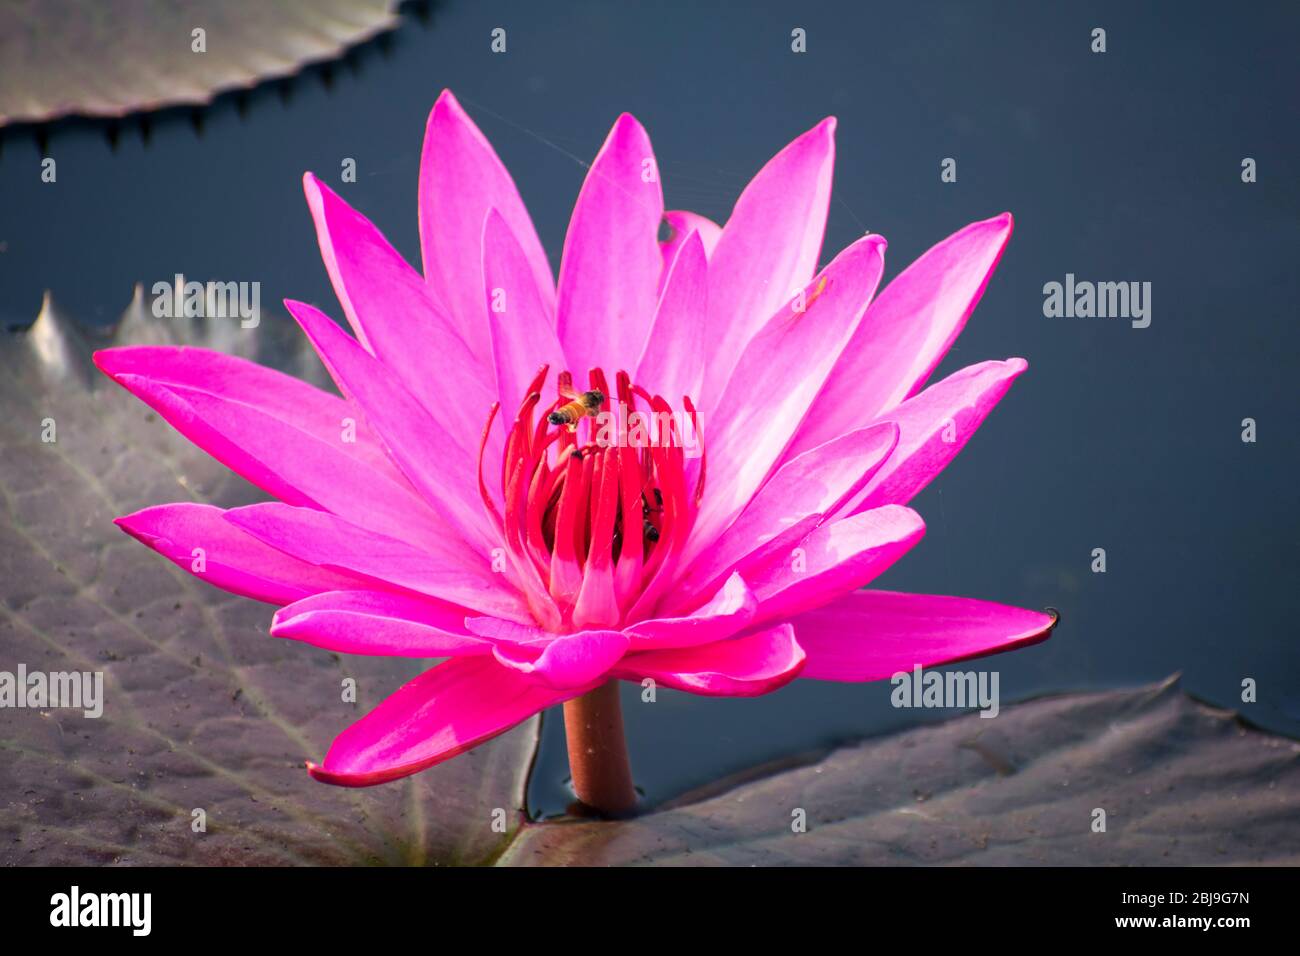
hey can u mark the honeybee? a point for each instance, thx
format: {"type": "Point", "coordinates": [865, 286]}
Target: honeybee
{"type": "Point", "coordinates": [647, 526]}
{"type": "Point", "coordinates": [586, 404]}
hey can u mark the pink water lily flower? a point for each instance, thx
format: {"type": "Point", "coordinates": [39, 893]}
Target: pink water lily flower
{"type": "Point", "coordinates": [454, 502]}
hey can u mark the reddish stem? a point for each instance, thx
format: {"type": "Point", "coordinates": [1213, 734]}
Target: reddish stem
{"type": "Point", "coordinates": [602, 776]}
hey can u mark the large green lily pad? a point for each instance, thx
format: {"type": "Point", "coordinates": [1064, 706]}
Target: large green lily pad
{"type": "Point", "coordinates": [203, 710]}
{"type": "Point", "coordinates": [113, 57]}
{"type": "Point", "coordinates": [1180, 783]}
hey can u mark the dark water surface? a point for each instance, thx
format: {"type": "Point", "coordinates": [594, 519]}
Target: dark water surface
{"type": "Point", "coordinates": [1122, 166]}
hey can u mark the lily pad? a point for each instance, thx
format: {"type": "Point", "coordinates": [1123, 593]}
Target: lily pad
{"type": "Point", "coordinates": [113, 57]}
{"type": "Point", "coordinates": [1180, 784]}
{"type": "Point", "coordinates": [202, 709]}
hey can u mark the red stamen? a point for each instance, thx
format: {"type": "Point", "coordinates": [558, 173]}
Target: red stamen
{"type": "Point", "coordinates": [566, 574]}
{"type": "Point", "coordinates": [594, 523]}
{"type": "Point", "coordinates": [488, 503]}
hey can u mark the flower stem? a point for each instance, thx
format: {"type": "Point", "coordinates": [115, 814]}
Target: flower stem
{"type": "Point", "coordinates": [602, 776]}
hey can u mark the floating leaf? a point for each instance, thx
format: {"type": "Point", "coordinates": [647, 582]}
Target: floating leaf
{"type": "Point", "coordinates": [113, 57]}
{"type": "Point", "coordinates": [203, 710]}
{"type": "Point", "coordinates": [1180, 784]}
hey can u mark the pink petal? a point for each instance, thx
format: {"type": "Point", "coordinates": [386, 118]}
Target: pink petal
{"type": "Point", "coordinates": [231, 560]}
{"type": "Point", "coordinates": [768, 249]}
{"type": "Point", "coordinates": [298, 467]}
{"type": "Point", "coordinates": [523, 335]}
{"type": "Point", "coordinates": [498, 630]}
{"type": "Point", "coordinates": [680, 225]}
{"type": "Point", "coordinates": [871, 635]}
{"type": "Point", "coordinates": [378, 623]}
{"type": "Point", "coordinates": [907, 330]}
{"type": "Point", "coordinates": [745, 666]}
{"type": "Point", "coordinates": [456, 575]}
{"type": "Point", "coordinates": [442, 713]}
{"type": "Point", "coordinates": [934, 426]}
{"type": "Point", "coordinates": [776, 380]}
{"type": "Point", "coordinates": [825, 481]}
{"type": "Point", "coordinates": [291, 400]}
{"type": "Point", "coordinates": [609, 273]}
{"type": "Point", "coordinates": [461, 178]}
{"type": "Point", "coordinates": [392, 311]}
{"type": "Point", "coordinates": [836, 558]}
{"type": "Point", "coordinates": [729, 611]}
{"type": "Point", "coordinates": [567, 661]}
{"type": "Point", "coordinates": [432, 456]}
{"type": "Point", "coordinates": [672, 363]}
{"type": "Point", "coordinates": [746, 557]}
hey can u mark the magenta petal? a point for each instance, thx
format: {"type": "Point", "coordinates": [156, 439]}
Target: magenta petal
{"type": "Point", "coordinates": [776, 380]}
{"type": "Point", "coordinates": [680, 225]}
{"type": "Point", "coordinates": [825, 482]}
{"type": "Point", "coordinates": [456, 575]}
{"type": "Point", "coordinates": [297, 467]}
{"type": "Point", "coordinates": [567, 661]}
{"type": "Point", "coordinates": [444, 712]}
{"type": "Point", "coordinates": [825, 479]}
{"type": "Point", "coordinates": [461, 178]}
{"type": "Point", "coordinates": [519, 317]}
{"type": "Point", "coordinates": [728, 612]}
{"type": "Point", "coordinates": [378, 623]}
{"type": "Point", "coordinates": [736, 555]}
{"type": "Point", "coordinates": [392, 311]}
{"type": "Point", "coordinates": [498, 630]}
{"type": "Point", "coordinates": [288, 399]}
{"type": "Point", "coordinates": [907, 330]}
{"type": "Point", "coordinates": [745, 666]}
{"type": "Point", "coordinates": [768, 249]}
{"type": "Point", "coordinates": [435, 458]}
{"type": "Point", "coordinates": [609, 274]}
{"type": "Point", "coordinates": [672, 363]}
{"type": "Point", "coordinates": [836, 558]}
{"type": "Point", "coordinates": [871, 635]}
{"type": "Point", "coordinates": [934, 426]}
{"type": "Point", "coordinates": [198, 539]}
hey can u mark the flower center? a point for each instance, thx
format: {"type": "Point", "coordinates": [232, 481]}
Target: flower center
{"type": "Point", "coordinates": [596, 501]}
